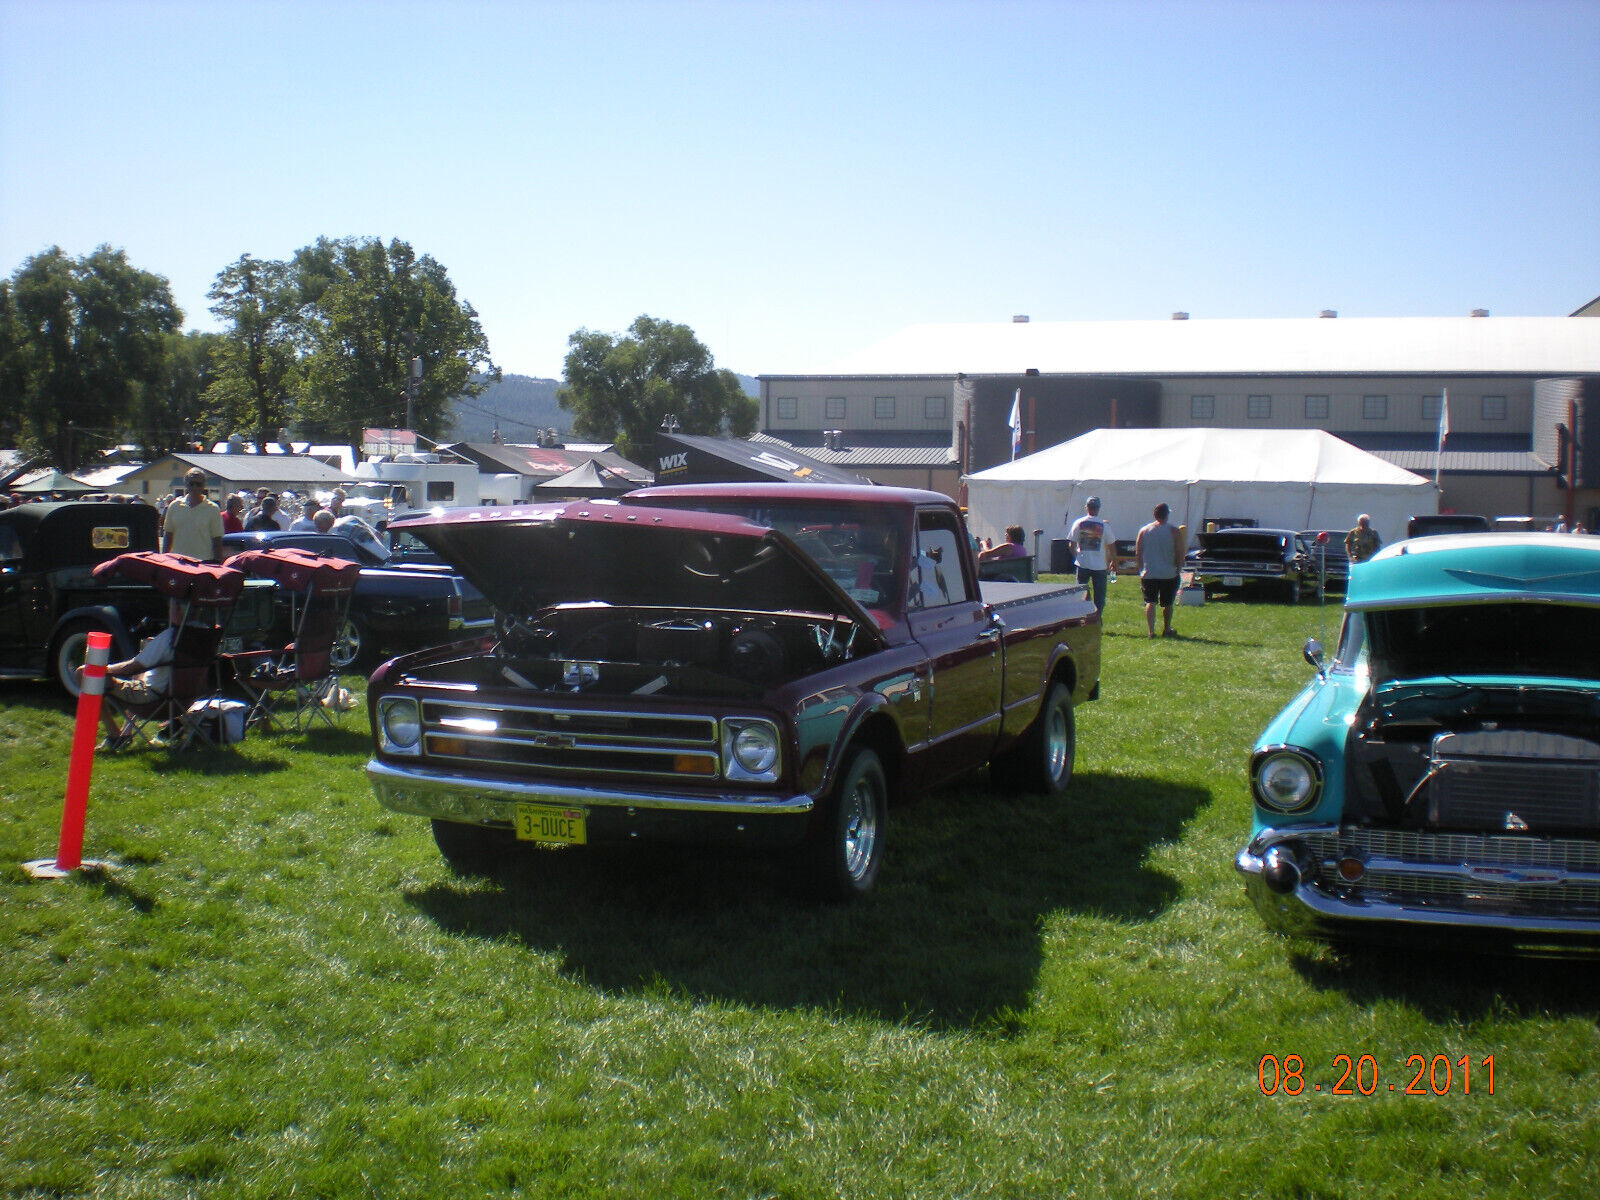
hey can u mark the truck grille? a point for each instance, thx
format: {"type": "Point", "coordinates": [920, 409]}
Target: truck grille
{"type": "Point", "coordinates": [1463, 872]}
{"type": "Point", "coordinates": [571, 741]}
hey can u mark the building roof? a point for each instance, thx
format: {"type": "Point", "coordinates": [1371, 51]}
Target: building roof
{"type": "Point", "coordinates": [1293, 346]}
{"type": "Point", "coordinates": [250, 468]}
{"type": "Point", "coordinates": [861, 452]}
{"type": "Point", "coordinates": [547, 462]}
{"type": "Point", "coordinates": [1464, 453]}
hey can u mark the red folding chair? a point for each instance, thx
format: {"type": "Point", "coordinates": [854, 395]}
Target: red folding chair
{"type": "Point", "coordinates": [299, 681]}
{"type": "Point", "coordinates": [205, 595]}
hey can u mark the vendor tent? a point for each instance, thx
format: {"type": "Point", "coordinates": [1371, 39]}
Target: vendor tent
{"type": "Point", "coordinates": [582, 482]}
{"type": "Point", "coordinates": [49, 482]}
{"type": "Point", "coordinates": [1279, 478]}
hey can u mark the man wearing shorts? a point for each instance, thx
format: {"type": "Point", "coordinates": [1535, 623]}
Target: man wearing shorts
{"type": "Point", "coordinates": [1156, 552]}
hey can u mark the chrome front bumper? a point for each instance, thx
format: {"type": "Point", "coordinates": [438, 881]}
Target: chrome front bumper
{"type": "Point", "coordinates": [471, 799]}
{"type": "Point", "coordinates": [1479, 884]}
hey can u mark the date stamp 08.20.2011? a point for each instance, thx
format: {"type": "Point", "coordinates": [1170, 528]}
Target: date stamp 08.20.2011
{"type": "Point", "coordinates": [1360, 1075]}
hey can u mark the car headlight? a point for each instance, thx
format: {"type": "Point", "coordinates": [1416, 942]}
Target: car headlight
{"type": "Point", "coordinates": [1286, 780]}
{"type": "Point", "coordinates": [750, 750]}
{"type": "Point", "coordinates": [400, 724]}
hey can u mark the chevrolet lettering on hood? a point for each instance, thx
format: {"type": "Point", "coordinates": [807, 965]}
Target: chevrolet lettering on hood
{"type": "Point", "coordinates": [756, 664]}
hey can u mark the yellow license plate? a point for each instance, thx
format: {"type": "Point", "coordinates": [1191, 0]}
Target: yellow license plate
{"type": "Point", "coordinates": [549, 823]}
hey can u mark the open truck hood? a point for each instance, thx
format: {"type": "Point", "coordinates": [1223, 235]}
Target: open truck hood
{"type": "Point", "coordinates": [527, 559]}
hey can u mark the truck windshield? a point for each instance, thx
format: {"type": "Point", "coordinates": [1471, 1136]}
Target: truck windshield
{"type": "Point", "coordinates": [860, 547]}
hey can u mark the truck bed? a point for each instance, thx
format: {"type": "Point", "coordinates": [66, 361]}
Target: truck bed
{"type": "Point", "coordinates": [1003, 594]}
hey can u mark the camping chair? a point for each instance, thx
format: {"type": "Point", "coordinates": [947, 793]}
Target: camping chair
{"type": "Point", "coordinates": [205, 595]}
{"type": "Point", "coordinates": [1014, 570]}
{"type": "Point", "coordinates": [300, 679]}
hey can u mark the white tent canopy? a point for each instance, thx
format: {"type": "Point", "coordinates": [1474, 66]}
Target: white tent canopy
{"type": "Point", "coordinates": [1281, 478]}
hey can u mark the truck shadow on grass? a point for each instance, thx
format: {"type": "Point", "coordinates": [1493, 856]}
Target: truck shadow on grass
{"type": "Point", "coordinates": [1455, 985]}
{"type": "Point", "coordinates": [951, 937]}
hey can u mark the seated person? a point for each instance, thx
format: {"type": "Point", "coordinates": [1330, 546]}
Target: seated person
{"type": "Point", "coordinates": [1012, 547]}
{"type": "Point", "coordinates": [144, 677]}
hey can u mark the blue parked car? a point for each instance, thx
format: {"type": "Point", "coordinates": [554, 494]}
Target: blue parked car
{"type": "Point", "coordinates": [1441, 773]}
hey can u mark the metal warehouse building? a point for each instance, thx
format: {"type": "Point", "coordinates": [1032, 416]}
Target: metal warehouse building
{"type": "Point", "coordinates": [932, 403]}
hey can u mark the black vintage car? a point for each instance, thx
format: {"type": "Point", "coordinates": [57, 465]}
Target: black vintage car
{"type": "Point", "coordinates": [50, 602]}
{"type": "Point", "coordinates": [1328, 556]}
{"type": "Point", "coordinates": [1241, 559]}
{"type": "Point", "coordinates": [396, 606]}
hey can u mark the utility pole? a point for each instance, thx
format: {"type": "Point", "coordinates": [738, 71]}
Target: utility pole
{"type": "Point", "coordinates": [413, 381]}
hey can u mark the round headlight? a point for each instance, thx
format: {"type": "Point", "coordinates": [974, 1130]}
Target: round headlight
{"type": "Point", "coordinates": [401, 724]}
{"type": "Point", "coordinates": [1285, 781]}
{"type": "Point", "coordinates": [755, 748]}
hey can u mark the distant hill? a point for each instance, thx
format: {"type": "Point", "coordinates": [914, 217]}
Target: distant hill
{"type": "Point", "coordinates": [523, 405]}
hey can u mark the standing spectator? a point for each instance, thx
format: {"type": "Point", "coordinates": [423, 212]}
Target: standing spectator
{"type": "Point", "coordinates": [336, 503]}
{"type": "Point", "coordinates": [306, 522]}
{"type": "Point", "coordinates": [255, 508]}
{"type": "Point", "coordinates": [193, 525]}
{"type": "Point", "coordinates": [232, 514]}
{"type": "Point", "coordinates": [1362, 542]}
{"type": "Point", "coordinates": [1091, 538]}
{"type": "Point", "coordinates": [266, 518]}
{"type": "Point", "coordinates": [1156, 553]}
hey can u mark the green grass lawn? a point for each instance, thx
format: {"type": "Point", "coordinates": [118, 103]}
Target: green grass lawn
{"type": "Point", "coordinates": [280, 990]}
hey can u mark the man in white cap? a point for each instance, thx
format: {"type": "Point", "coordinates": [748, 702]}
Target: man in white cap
{"type": "Point", "coordinates": [1091, 539]}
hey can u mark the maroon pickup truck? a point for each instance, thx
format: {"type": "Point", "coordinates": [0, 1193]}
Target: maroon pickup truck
{"type": "Point", "coordinates": [746, 663]}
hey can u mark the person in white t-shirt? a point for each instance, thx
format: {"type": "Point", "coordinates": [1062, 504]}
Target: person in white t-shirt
{"type": "Point", "coordinates": [1091, 540]}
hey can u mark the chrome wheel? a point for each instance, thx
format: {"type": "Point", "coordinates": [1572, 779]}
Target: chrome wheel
{"type": "Point", "coordinates": [1041, 759]}
{"type": "Point", "coordinates": [843, 849]}
{"type": "Point", "coordinates": [1058, 745]}
{"type": "Point", "coordinates": [349, 644]}
{"type": "Point", "coordinates": [858, 829]}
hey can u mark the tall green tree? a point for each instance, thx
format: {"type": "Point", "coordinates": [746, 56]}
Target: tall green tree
{"type": "Point", "coordinates": [84, 336]}
{"type": "Point", "coordinates": [176, 411]}
{"type": "Point", "coordinates": [371, 310]}
{"type": "Point", "coordinates": [258, 368]}
{"type": "Point", "coordinates": [12, 375]}
{"type": "Point", "coordinates": [623, 388]}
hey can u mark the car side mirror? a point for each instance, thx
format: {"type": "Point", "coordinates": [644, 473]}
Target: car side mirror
{"type": "Point", "coordinates": [1312, 652]}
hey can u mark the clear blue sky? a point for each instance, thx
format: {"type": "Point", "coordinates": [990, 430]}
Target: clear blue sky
{"type": "Point", "coordinates": [796, 180]}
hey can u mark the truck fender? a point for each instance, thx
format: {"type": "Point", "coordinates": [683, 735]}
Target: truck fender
{"type": "Point", "coordinates": [868, 723]}
{"type": "Point", "coordinates": [122, 642]}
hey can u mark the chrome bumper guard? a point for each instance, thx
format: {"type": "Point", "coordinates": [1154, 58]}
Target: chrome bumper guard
{"type": "Point", "coordinates": [450, 796]}
{"type": "Point", "coordinates": [1498, 890]}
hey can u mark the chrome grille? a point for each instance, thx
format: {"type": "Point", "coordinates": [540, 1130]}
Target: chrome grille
{"type": "Point", "coordinates": [1461, 872]}
{"type": "Point", "coordinates": [562, 741]}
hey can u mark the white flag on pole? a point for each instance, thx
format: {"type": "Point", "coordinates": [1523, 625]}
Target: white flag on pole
{"type": "Point", "coordinates": [1444, 432]}
{"type": "Point", "coordinates": [1015, 421]}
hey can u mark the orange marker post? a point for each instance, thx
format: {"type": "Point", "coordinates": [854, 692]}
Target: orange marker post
{"type": "Point", "coordinates": [74, 809]}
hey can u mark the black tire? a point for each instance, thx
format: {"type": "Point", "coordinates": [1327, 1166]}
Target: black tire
{"type": "Point", "coordinates": [352, 645]}
{"type": "Point", "coordinates": [68, 650]}
{"type": "Point", "coordinates": [473, 849]}
{"type": "Point", "coordinates": [1042, 759]}
{"type": "Point", "coordinates": [844, 848]}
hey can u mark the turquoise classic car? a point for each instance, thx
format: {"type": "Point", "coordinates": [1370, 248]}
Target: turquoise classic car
{"type": "Point", "coordinates": [1440, 775]}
